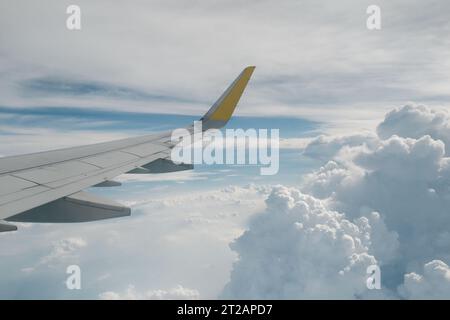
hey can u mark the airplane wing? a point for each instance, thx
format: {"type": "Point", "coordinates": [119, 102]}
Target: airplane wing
{"type": "Point", "coordinates": [48, 186]}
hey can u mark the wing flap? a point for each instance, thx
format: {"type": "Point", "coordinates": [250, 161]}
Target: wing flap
{"type": "Point", "coordinates": [55, 172]}
{"type": "Point", "coordinates": [146, 149]}
{"type": "Point", "coordinates": [110, 159]}
{"type": "Point", "coordinates": [10, 184]}
{"type": "Point", "coordinates": [22, 194]}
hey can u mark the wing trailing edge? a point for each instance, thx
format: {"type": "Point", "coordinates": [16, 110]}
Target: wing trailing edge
{"type": "Point", "coordinates": [5, 227]}
{"type": "Point", "coordinates": [79, 207]}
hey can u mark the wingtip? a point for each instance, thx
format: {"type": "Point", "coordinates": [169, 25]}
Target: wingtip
{"type": "Point", "coordinates": [222, 110]}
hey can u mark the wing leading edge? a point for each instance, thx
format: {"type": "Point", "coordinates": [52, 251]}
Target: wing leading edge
{"type": "Point", "coordinates": [47, 186]}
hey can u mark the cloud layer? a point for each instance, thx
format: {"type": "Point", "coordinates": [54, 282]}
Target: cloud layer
{"type": "Point", "coordinates": [175, 245]}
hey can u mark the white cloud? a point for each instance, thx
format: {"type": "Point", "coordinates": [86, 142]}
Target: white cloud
{"type": "Point", "coordinates": [404, 159]}
{"type": "Point", "coordinates": [61, 250]}
{"type": "Point", "coordinates": [177, 293]}
{"type": "Point", "coordinates": [325, 147]}
{"type": "Point", "coordinates": [416, 121]}
{"type": "Point", "coordinates": [300, 249]}
{"type": "Point", "coordinates": [294, 143]}
{"type": "Point", "coordinates": [433, 284]}
{"type": "Point", "coordinates": [405, 179]}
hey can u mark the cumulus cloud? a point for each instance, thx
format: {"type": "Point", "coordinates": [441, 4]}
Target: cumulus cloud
{"type": "Point", "coordinates": [406, 181]}
{"type": "Point", "coordinates": [298, 248]}
{"type": "Point", "coordinates": [434, 283]}
{"type": "Point", "coordinates": [324, 147]}
{"type": "Point", "coordinates": [176, 293]}
{"type": "Point", "coordinates": [404, 176]}
{"type": "Point", "coordinates": [416, 121]}
{"type": "Point", "coordinates": [404, 159]}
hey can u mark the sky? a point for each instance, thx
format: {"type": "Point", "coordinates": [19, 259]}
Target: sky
{"type": "Point", "coordinates": [364, 126]}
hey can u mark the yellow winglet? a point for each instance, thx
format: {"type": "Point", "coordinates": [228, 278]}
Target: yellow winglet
{"type": "Point", "coordinates": [222, 110]}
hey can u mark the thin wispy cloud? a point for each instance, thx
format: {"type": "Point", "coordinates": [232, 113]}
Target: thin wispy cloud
{"type": "Point", "coordinates": [313, 59]}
